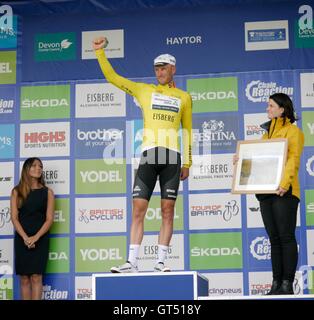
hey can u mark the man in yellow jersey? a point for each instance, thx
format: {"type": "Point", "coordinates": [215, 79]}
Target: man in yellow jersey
{"type": "Point", "coordinates": [164, 109]}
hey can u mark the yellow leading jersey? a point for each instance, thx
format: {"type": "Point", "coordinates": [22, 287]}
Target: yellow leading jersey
{"type": "Point", "coordinates": [164, 109]}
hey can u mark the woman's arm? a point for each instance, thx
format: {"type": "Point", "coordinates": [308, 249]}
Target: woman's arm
{"type": "Point", "coordinates": [15, 217]}
{"type": "Point", "coordinates": [49, 219]}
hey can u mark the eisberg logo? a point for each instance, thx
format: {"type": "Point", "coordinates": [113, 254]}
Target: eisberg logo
{"type": "Point", "coordinates": [260, 248]}
{"type": "Point", "coordinates": [259, 91]}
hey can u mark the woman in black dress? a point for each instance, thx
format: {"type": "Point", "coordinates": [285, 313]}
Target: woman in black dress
{"type": "Point", "coordinates": [32, 211]}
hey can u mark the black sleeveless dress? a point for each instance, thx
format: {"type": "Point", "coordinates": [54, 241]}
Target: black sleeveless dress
{"type": "Point", "coordinates": [32, 216]}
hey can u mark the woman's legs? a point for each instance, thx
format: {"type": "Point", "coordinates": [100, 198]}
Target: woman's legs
{"type": "Point", "coordinates": [26, 291]}
{"type": "Point", "coordinates": [279, 217]}
{"type": "Point", "coordinates": [37, 286]}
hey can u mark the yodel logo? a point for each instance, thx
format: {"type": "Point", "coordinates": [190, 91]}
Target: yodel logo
{"type": "Point", "coordinates": [101, 176]}
{"type": "Point", "coordinates": [100, 254]}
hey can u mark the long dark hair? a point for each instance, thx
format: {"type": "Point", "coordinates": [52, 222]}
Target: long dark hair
{"type": "Point", "coordinates": [24, 186]}
{"type": "Point", "coordinates": [286, 103]}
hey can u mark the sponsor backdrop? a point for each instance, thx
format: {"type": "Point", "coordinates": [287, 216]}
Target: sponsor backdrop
{"type": "Point", "coordinates": [55, 104]}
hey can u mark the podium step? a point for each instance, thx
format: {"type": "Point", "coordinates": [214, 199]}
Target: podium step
{"type": "Point", "coordinates": [189, 285]}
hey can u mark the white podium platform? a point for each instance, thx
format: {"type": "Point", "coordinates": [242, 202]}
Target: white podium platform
{"type": "Point", "coordinates": [188, 285]}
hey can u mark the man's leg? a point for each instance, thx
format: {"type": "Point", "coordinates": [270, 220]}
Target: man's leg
{"type": "Point", "coordinates": [137, 229]}
{"type": "Point", "coordinates": [169, 184]}
{"type": "Point", "coordinates": [144, 183]}
{"type": "Point", "coordinates": [166, 229]}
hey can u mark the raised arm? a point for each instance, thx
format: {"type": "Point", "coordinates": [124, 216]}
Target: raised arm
{"type": "Point", "coordinates": [124, 84]}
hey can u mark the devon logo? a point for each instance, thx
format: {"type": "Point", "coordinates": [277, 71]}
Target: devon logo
{"type": "Point", "coordinates": [55, 46]}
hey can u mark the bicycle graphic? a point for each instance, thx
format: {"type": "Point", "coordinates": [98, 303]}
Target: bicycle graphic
{"type": "Point", "coordinates": [231, 209]}
{"type": "Point", "coordinates": [4, 216]}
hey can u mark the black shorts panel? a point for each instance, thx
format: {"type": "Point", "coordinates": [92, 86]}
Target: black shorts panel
{"type": "Point", "coordinates": [162, 163]}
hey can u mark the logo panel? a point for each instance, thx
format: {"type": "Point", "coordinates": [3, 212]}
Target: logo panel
{"type": "Point", "coordinates": [99, 254]}
{"type": "Point", "coordinates": [61, 221]}
{"type": "Point", "coordinates": [45, 102]}
{"type": "Point", "coordinates": [266, 35]}
{"type": "Point", "coordinates": [6, 226]}
{"type": "Point", "coordinates": [114, 49]}
{"type": "Point", "coordinates": [55, 46]}
{"type": "Point", "coordinates": [100, 177]}
{"type": "Point", "coordinates": [7, 103]}
{"type": "Point", "coordinates": [8, 35]}
{"type": "Point", "coordinates": [215, 250]}
{"type": "Point", "coordinates": [100, 139]}
{"type": "Point", "coordinates": [303, 28]}
{"type": "Point", "coordinates": [45, 139]}
{"type": "Point", "coordinates": [99, 100]}
{"type": "Point", "coordinates": [308, 127]}
{"type": "Point", "coordinates": [59, 255]}
{"type": "Point", "coordinates": [214, 94]}
{"type": "Point", "coordinates": [99, 215]}
{"type": "Point", "coordinates": [6, 178]}
{"type": "Point", "coordinates": [214, 133]}
{"type": "Point", "coordinates": [211, 172]}
{"type": "Point", "coordinates": [149, 251]}
{"type": "Point", "coordinates": [7, 141]}
{"type": "Point", "coordinates": [7, 67]}
{"type": "Point", "coordinates": [214, 211]}
{"type": "Point", "coordinates": [153, 215]}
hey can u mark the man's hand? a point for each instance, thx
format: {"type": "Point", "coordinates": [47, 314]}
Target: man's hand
{"type": "Point", "coordinates": [100, 43]}
{"type": "Point", "coordinates": [184, 173]}
{"type": "Point", "coordinates": [281, 191]}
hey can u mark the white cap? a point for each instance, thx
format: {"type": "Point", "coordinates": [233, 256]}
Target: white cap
{"type": "Point", "coordinates": [165, 59]}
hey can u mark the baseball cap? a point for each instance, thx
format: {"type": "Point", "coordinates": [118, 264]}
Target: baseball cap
{"type": "Point", "coordinates": [165, 59]}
